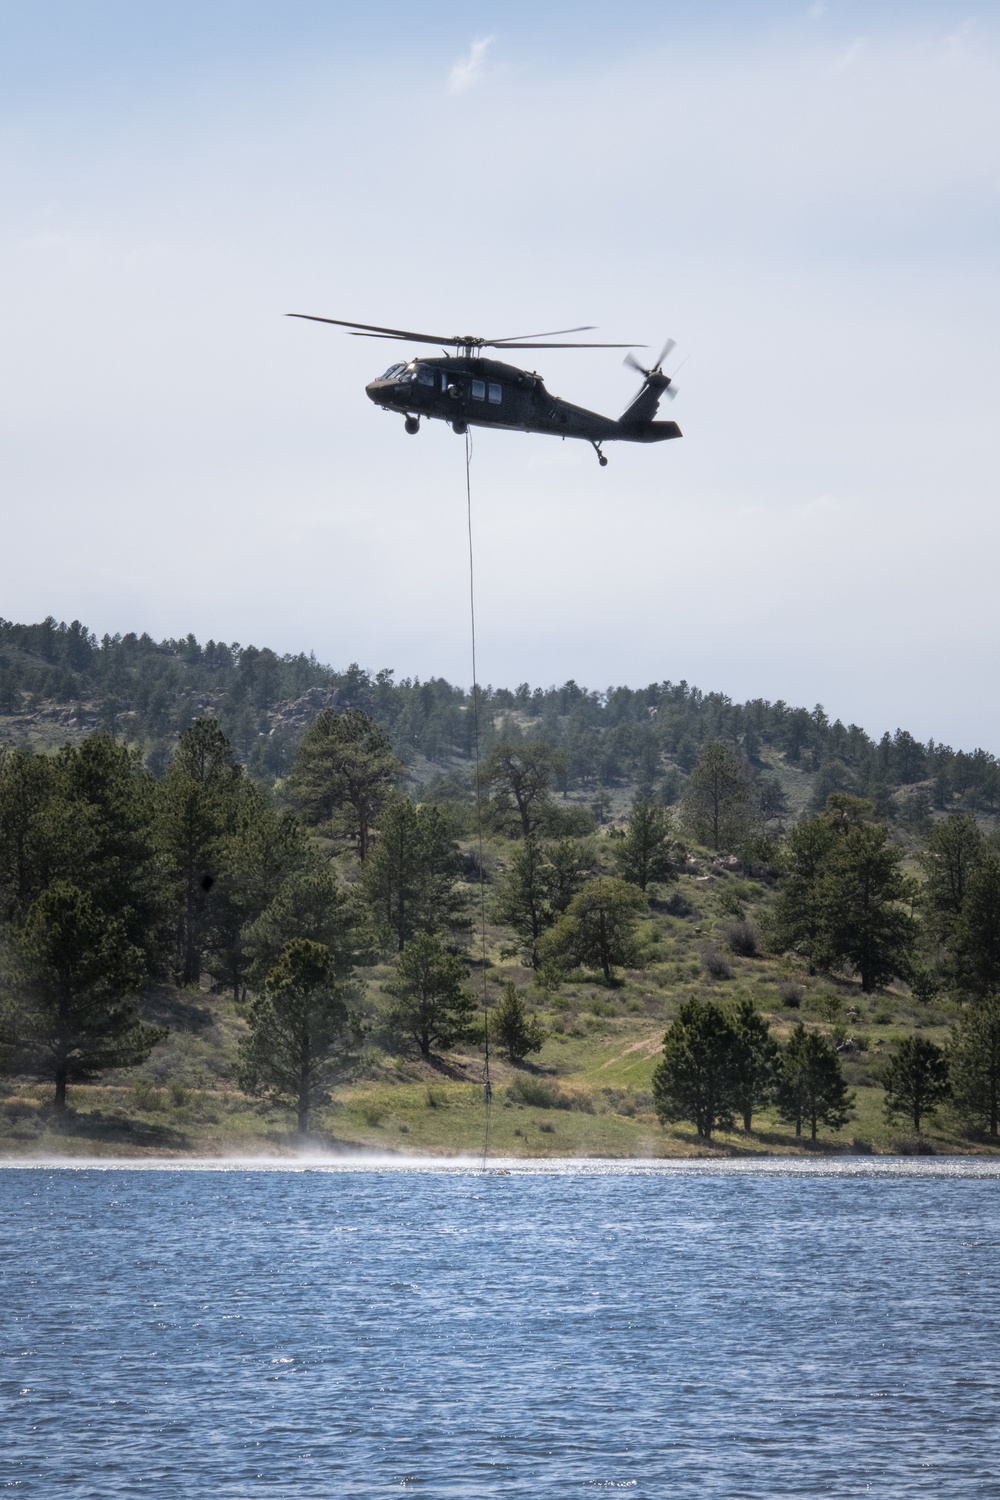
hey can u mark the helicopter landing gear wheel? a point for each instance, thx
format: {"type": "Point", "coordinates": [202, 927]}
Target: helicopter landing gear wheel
{"type": "Point", "coordinates": [601, 457]}
{"type": "Point", "coordinates": [459, 427]}
{"type": "Point", "coordinates": [412, 425]}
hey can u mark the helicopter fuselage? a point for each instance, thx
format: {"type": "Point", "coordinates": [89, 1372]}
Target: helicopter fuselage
{"type": "Point", "coordinates": [475, 392]}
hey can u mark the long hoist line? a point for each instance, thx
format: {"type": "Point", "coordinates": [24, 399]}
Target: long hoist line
{"type": "Point", "coordinates": [487, 1085]}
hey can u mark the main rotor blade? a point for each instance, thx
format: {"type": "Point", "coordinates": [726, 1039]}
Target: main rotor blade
{"type": "Point", "coordinates": [488, 343]}
{"type": "Point", "coordinates": [385, 333]}
{"type": "Point", "coordinates": [374, 331]}
{"type": "Point", "coordinates": [558, 346]}
{"type": "Point", "coordinates": [553, 333]}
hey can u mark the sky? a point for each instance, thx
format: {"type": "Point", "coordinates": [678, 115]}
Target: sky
{"type": "Point", "coordinates": [804, 196]}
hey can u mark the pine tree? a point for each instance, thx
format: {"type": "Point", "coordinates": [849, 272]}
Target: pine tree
{"type": "Point", "coordinates": [519, 779]}
{"type": "Point", "coordinates": [719, 798]}
{"type": "Point", "coordinates": [974, 1057]}
{"type": "Point", "coordinates": [257, 853]}
{"type": "Point", "coordinates": [344, 774]}
{"type": "Point", "coordinates": [27, 856]}
{"type": "Point", "coordinates": [512, 1028]}
{"type": "Point", "coordinates": [522, 898]}
{"type": "Point", "coordinates": [811, 1083]}
{"type": "Point", "coordinates": [695, 1078]}
{"type": "Point", "coordinates": [915, 1079]}
{"type": "Point", "coordinates": [597, 930]}
{"type": "Point", "coordinates": [644, 852]}
{"type": "Point", "coordinates": [430, 997]}
{"type": "Point", "coordinates": [974, 948]}
{"type": "Point", "coordinates": [756, 1061]}
{"type": "Point", "coordinates": [300, 1029]}
{"type": "Point", "coordinates": [865, 893]}
{"type": "Point", "coordinates": [198, 802]}
{"type": "Point", "coordinates": [845, 897]}
{"type": "Point", "coordinates": [409, 877]}
{"type": "Point", "coordinates": [798, 914]}
{"type": "Point", "coordinates": [78, 972]}
{"type": "Point", "coordinates": [308, 904]}
{"type": "Point", "coordinates": [955, 846]}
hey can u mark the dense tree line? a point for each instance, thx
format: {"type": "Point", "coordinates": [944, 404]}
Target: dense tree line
{"type": "Point", "coordinates": [114, 876]}
{"type": "Point", "coordinates": [147, 692]}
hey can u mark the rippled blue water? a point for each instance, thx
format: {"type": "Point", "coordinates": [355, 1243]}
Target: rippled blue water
{"type": "Point", "coordinates": [710, 1332]}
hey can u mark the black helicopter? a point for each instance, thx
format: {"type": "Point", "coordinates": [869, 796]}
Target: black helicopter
{"type": "Point", "coordinates": [467, 390]}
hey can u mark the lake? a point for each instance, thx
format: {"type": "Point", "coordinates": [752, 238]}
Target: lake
{"type": "Point", "coordinates": [738, 1329]}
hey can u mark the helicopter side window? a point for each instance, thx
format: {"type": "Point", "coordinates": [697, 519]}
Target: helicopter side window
{"type": "Point", "coordinates": [425, 376]}
{"type": "Point", "coordinates": [496, 392]}
{"type": "Point", "coordinates": [479, 390]}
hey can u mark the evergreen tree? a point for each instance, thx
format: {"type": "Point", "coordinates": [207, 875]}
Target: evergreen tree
{"type": "Point", "coordinates": [974, 1057]}
{"type": "Point", "coordinates": [105, 805]}
{"type": "Point", "coordinates": [27, 840]}
{"type": "Point", "coordinates": [344, 774]}
{"type": "Point", "coordinates": [842, 900]}
{"type": "Point", "coordinates": [719, 797]}
{"type": "Point", "coordinates": [644, 852]}
{"type": "Point", "coordinates": [198, 804]}
{"type": "Point", "coordinates": [863, 889]}
{"type": "Point", "coordinates": [755, 1061]}
{"type": "Point", "coordinates": [522, 899]}
{"type": "Point", "coordinates": [974, 947]}
{"type": "Point", "coordinates": [597, 930]}
{"type": "Point", "coordinates": [811, 1083]}
{"type": "Point", "coordinates": [695, 1078]}
{"type": "Point", "coordinates": [570, 862]}
{"type": "Point", "coordinates": [513, 1028]}
{"type": "Point", "coordinates": [915, 1079]}
{"type": "Point", "coordinates": [309, 905]}
{"type": "Point", "coordinates": [955, 847]}
{"type": "Point", "coordinates": [430, 998]}
{"type": "Point", "coordinates": [518, 778]}
{"type": "Point", "coordinates": [299, 1030]}
{"type": "Point", "coordinates": [798, 915]}
{"type": "Point", "coordinates": [537, 886]}
{"type": "Point", "coordinates": [409, 877]}
{"type": "Point", "coordinates": [77, 972]}
{"type": "Point", "coordinates": [257, 853]}
{"type": "Point", "coordinates": [83, 817]}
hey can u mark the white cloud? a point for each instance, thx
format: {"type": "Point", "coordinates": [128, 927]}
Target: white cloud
{"type": "Point", "coordinates": [469, 69]}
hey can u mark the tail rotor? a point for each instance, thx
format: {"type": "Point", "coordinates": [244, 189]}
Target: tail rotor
{"type": "Point", "coordinates": [654, 376]}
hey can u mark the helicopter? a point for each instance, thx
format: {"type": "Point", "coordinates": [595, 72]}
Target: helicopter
{"type": "Point", "coordinates": [467, 390]}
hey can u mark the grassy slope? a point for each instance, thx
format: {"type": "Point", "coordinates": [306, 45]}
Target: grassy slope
{"type": "Point", "coordinates": [600, 1053]}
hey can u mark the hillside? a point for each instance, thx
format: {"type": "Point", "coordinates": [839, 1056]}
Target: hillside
{"type": "Point", "coordinates": [586, 1093]}
{"type": "Point", "coordinates": [58, 683]}
{"type": "Point", "coordinates": [703, 933]}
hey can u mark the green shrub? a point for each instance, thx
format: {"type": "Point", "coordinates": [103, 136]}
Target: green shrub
{"type": "Point", "coordinates": [146, 1096]}
{"type": "Point", "coordinates": [536, 1093]}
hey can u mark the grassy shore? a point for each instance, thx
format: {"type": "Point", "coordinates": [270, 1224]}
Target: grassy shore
{"type": "Point", "coordinates": [586, 1094]}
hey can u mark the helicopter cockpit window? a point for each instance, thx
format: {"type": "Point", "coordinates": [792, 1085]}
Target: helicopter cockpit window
{"type": "Point", "coordinates": [479, 390]}
{"type": "Point", "coordinates": [393, 370]}
{"type": "Point", "coordinates": [496, 392]}
{"type": "Point", "coordinates": [425, 376]}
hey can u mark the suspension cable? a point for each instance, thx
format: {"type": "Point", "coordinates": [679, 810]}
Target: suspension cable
{"type": "Point", "coordinates": [487, 1086]}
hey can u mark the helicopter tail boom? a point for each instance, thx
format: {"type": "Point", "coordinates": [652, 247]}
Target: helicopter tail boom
{"type": "Point", "coordinates": [650, 432]}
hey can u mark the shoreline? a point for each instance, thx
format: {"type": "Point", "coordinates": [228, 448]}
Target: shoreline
{"type": "Point", "coordinates": [984, 1166]}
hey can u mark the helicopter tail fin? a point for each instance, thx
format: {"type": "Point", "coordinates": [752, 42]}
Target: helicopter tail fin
{"type": "Point", "coordinates": [646, 404]}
